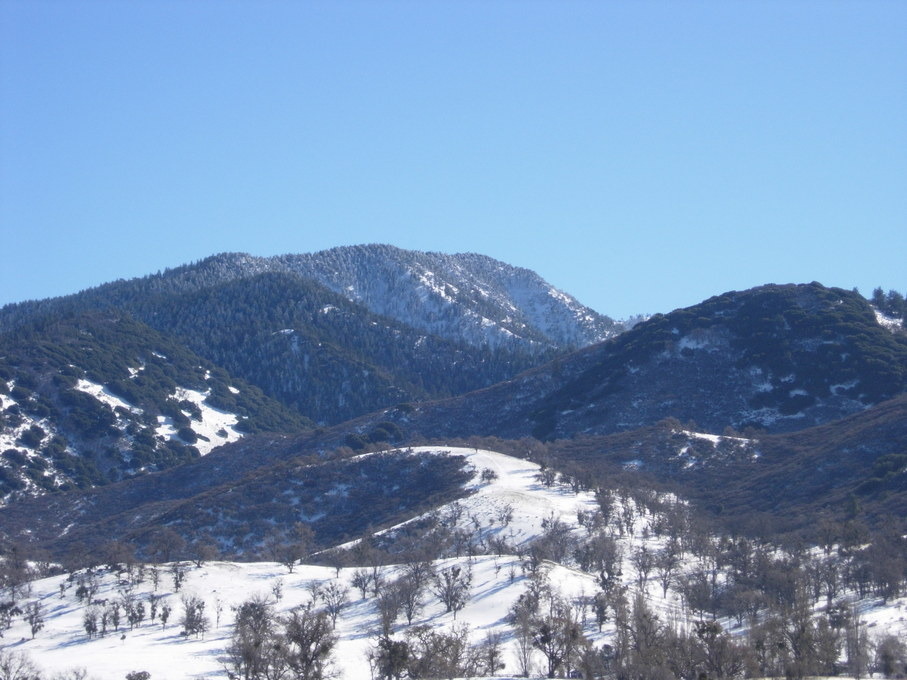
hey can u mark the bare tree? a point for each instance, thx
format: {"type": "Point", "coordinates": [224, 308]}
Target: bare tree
{"type": "Point", "coordinates": [389, 605]}
{"type": "Point", "coordinates": [194, 621]}
{"type": "Point", "coordinates": [491, 654]}
{"type": "Point", "coordinates": [308, 643]}
{"type": "Point", "coordinates": [667, 562]}
{"type": "Point", "coordinates": [178, 572]}
{"type": "Point", "coordinates": [521, 622]}
{"type": "Point", "coordinates": [362, 579]}
{"type": "Point", "coordinates": [204, 550]}
{"type": "Point", "coordinates": [439, 654]}
{"type": "Point", "coordinates": [558, 635]}
{"type": "Point", "coordinates": [452, 587]}
{"type": "Point", "coordinates": [165, 544]}
{"type": "Point", "coordinates": [336, 596]}
{"type": "Point", "coordinates": [250, 654]}
{"type": "Point", "coordinates": [34, 615]}
{"type": "Point", "coordinates": [17, 666]}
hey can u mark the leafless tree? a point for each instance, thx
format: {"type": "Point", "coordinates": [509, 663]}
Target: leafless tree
{"type": "Point", "coordinates": [452, 586]}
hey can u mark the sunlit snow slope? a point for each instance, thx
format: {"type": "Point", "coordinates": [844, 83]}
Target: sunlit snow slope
{"type": "Point", "coordinates": [511, 503]}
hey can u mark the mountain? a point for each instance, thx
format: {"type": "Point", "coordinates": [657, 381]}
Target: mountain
{"type": "Point", "coordinates": [849, 469]}
{"type": "Point", "coordinates": [347, 331]}
{"type": "Point", "coordinates": [462, 298]}
{"type": "Point", "coordinates": [239, 507]}
{"type": "Point", "coordinates": [761, 484]}
{"type": "Point", "coordinates": [777, 358]}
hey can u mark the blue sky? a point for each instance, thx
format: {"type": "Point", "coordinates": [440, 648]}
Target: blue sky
{"type": "Point", "coordinates": [641, 156]}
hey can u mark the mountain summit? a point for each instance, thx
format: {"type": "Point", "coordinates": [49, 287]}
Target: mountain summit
{"type": "Point", "coordinates": [463, 298]}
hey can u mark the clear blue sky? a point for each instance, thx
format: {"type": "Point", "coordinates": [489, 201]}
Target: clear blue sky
{"type": "Point", "coordinates": [641, 156]}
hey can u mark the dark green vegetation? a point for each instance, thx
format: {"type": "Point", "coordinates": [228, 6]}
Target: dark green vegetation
{"type": "Point", "coordinates": [780, 358]}
{"type": "Point", "coordinates": [800, 347]}
{"type": "Point", "coordinates": [891, 304]}
{"type": "Point", "coordinates": [244, 509]}
{"type": "Point", "coordinates": [290, 325]}
{"type": "Point", "coordinates": [85, 442]}
{"type": "Point", "coordinates": [318, 353]}
{"type": "Point", "coordinates": [850, 470]}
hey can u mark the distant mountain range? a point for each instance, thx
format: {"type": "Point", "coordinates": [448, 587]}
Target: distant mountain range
{"type": "Point", "coordinates": [120, 380]}
{"type": "Point", "coordinates": [178, 386]}
{"type": "Point", "coordinates": [344, 332]}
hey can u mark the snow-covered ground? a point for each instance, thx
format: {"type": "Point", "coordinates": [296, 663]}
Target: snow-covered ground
{"type": "Point", "coordinates": [105, 396]}
{"type": "Point", "coordinates": [889, 322]}
{"type": "Point", "coordinates": [214, 428]}
{"type": "Point", "coordinates": [511, 504]}
{"type": "Point", "coordinates": [511, 489]}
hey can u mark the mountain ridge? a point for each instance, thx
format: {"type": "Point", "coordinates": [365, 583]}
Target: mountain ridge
{"type": "Point", "coordinates": [341, 268]}
{"type": "Point", "coordinates": [790, 356]}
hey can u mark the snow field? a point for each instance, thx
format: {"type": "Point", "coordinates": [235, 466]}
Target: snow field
{"type": "Point", "coordinates": [497, 582]}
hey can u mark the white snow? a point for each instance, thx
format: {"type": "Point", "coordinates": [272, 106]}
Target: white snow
{"type": "Point", "coordinates": [497, 582]}
{"type": "Point", "coordinates": [105, 396]}
{"type": "Point", "coordinates": [714, 438]}
{"type": "Point", "coordinates": [889, 322]}
{"type": "Point", "coordinates": [6, 401]}
{"type": "Point", "coordinates": [516, 487]}
{"type": "Point", "coordinates": [843, 387]}
{"type": "Point", "coordinates": [10, 435]}
{"type": "Point", "coordinates": [215, 428]}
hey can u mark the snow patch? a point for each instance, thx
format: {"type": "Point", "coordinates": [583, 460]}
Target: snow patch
{"type": "Point", "coordinates": [105, 396]}
{"type": "Point", "coordinates": [215, 428]}
{"type": "Point", "coordinates": [889, 322]}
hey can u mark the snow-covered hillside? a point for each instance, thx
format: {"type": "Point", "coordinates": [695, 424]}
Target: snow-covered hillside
{"type": "Point", "coordinates": [465, 296]}
{"type": "Point", "coordinates": [26, 438]}
{"type": "Point", "coordinates": [513, 500]}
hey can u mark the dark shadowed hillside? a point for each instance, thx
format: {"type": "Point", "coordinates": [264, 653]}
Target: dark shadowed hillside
{"type": "Point", "coordinates": [778, 358]}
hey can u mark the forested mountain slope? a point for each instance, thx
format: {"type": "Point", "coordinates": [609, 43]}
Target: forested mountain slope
{"type": "Point", "coordinates": [97, 397]}
{"type": "Point", "coordinates": [778, 358]}
{"type": "Point", "coordinates": [344, 332]}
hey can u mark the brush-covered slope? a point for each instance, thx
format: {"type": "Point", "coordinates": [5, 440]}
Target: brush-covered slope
{"type": "Point", "coordinates": [779, 358]}
{"type": "Point", "coordinates": [464, 297]}
{"type": "Point", "coordinates": [235, 502]}
{"type": "Point", "coordinates": [98, 397]}
{"type": "Point", "coordinates": [854, 468]}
